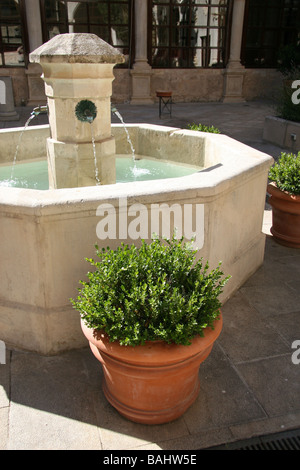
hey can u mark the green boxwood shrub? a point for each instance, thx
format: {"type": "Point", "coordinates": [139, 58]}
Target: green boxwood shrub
{"type": "Point", "coordinates": [285, 173]}
{"type": "Point", "coordinates": [157, 291]}
{"type": "Point", "coordinates": [203, 128]}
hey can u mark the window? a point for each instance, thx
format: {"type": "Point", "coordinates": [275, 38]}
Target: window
{"type": "Point", "coordinates": [12, 34]}
{"type": "Point", "coordinates": [188, 33]}
{"type": "Point", "coordinates": [108, 19]}
{"type": "Point", "coordinates": [268, 26]}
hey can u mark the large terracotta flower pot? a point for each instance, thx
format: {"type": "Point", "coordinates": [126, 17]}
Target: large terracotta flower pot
{"type": "Point", "coordinates": [154, 383]}
{"type": "Point", "coordinates": [285, 216]}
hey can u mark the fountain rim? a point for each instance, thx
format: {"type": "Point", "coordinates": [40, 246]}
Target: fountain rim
{"type": "Point", "coordinates": [205, 184]}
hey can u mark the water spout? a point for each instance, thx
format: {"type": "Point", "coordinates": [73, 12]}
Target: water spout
{"type": "Point", "coordinates": [116, 112]}
{"type": "Point", "coordinates": [86, 111]}
{"type": "Point", "coordinates": [89, 117]}
{"type": "Point", "coordinates": [39, 110]}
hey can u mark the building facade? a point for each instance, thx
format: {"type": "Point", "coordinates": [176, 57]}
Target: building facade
{"type": "Point", "coordinates": [201, 50]}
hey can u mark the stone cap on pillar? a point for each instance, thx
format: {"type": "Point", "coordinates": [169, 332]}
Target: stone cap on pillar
{"type": "Point", "coordinates": [72, 48]}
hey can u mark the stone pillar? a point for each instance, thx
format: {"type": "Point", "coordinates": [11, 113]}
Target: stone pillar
{"type": "Point", "coordinates": [141, 72]}
{"type": "Point", "coordinates": [36, 87]}
{"type": "Point", "coordinates": [78, 67]}
{"type": "Point", "coordinates": [7, 107]}
{"type": "Point", "coordinates": [234, 73]}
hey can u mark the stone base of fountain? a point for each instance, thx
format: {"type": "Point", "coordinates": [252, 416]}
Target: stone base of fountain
{"type": "Point", "coordinates": [65, 171]}
{"type": "Point", "coordinates": [46, 235]}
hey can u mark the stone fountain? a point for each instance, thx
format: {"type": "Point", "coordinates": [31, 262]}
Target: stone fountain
{"type": "Point", "coordinates": [78, 69]}
{"type": "Point", "coordinates": [46, 235]}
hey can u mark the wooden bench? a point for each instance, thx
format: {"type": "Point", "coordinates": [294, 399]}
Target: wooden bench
{"type": "Point", "coordinates": [165, 102]}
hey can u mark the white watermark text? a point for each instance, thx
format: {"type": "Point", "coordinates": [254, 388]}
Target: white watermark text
{"type": "Point", "coordinates": [296, 94]}
{"type": "Point", "coordinates": [296, 354]}
{"type": "Point", "coordinates": [138, 221]}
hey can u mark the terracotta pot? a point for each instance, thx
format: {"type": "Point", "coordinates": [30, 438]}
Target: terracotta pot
{"type": "Point", "coordinates": [285, 216]}
{"type": "Point", "coordinates": [154, 383]}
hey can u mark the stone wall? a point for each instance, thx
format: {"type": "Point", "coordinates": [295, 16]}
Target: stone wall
{"type": "Point", "coordinates": [261, 83]}
{"type": "Point", "coordinates": [203, 85]}
{"type": "Point", "coordinates": [187, 85]}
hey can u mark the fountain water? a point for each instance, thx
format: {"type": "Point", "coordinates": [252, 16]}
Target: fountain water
{"type": "Point", "coordinates": [86, 111]}
{"type": "Point", "coordinates": [35, 112]}
{"type": "Point", "coordinates": [98, 182]}
{"type": "Point", "coordinates": [46, 235]}
{"type": "Point", "coordinates": [136, 172]}
{"type": "Point", "coordinates": [35, 174]}
{"type": "Point", "coordinates": [116, 112]}
{"type": "Point", "coordinates": [32, 116]}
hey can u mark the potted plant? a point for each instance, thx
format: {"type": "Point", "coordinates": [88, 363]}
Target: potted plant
{"type": "Point", "coordinates": [284, 190]}
{"type": "Point", "coordinates": [151, 315]}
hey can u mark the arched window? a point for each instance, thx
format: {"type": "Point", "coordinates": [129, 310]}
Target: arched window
{"type": "Point", "coordinates": [13, 38]}
{"type": "Point", "coordinates": [109, 19]}
{"type": "Point", "coordinates": [188, 33]}
{"type": "Point", "coordinates": [268, 26]}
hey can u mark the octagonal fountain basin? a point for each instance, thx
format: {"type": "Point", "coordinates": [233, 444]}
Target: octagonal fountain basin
{"type": "Point", "coordinates": [34, 174]}
{"type": "Point", "coordinates": [47, 234]}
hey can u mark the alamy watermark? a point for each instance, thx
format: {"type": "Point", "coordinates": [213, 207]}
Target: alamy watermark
{"type": "Point", "coordinates": [140, 221]}
{"type": "Point", "coordinates": [296, 94]}
{"type": "Point", "coordinates": [296, 354]}
{"type": "Point", "coordinates": [2, 353]}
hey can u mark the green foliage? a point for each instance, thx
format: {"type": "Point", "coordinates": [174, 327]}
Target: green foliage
{"type": "Point", "coordinates": [289, 61]}
{"type": "Point", "coordinates": [203, 128]}
{"type": "Point", "coordinates": [285, 173]}
{"type": "Point", "coordinates": [155, 292]}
